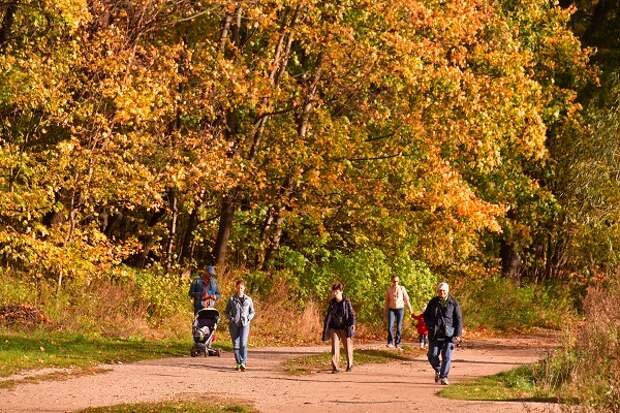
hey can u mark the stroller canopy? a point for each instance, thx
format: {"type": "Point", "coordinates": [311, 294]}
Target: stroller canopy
{"type": "Point", "coordinates": [208, 314]}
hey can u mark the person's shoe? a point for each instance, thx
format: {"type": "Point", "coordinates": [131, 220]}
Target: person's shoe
{"type": "Point", "coordinates": [444, 381]}
{"type": "Point", "coordinates": [437, 377]}
{"type": "Point", "coordinates": [421, 345]}
{"type": "Point", "coordinates": [238, 367]}
{"type": "Point", "coordinates": [242, 367]}
{"type": "Point", "coordinates": [399, 348]}
{"type": "Point", "coordinates": [334, 371]}
{"type": "Point", "coordinates": [349, 369]}
{"type": "Point", "coordinates": [389, 345]}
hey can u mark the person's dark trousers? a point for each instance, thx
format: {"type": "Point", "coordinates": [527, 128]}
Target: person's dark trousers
{"type": "Point", "coordinates": [443, 348]}
{"type": "Point", "coordinates": [395, 316]}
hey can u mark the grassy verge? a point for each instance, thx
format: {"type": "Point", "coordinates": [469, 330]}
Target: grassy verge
{"type": "Point", "coordinates": [521, 383]}
{"type": "Point", "coordinates": [174, 407]}
{"type": "Point", "coordinates": [34, 350]}
{"type": "Point", "coordinates": [317, 362]}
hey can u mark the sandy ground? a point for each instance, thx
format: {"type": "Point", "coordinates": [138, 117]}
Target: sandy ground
{"type": "Point", "coordinates": [394, 387]}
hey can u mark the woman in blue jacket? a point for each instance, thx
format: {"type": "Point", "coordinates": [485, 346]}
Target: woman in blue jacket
{"type": "Point", "coordinates": [240, 311]}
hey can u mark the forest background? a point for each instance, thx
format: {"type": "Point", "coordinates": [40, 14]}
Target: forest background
{"type": "Point", "coordinates": [295, 143]}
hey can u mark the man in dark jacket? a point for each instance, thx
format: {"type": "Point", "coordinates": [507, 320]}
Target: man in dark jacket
{"type": "Point", "coordinates": [445, 326]}
{"type": "Point", "coordinates": [339, 325]}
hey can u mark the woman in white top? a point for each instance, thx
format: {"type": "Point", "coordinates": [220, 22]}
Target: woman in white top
{"type": "Point", "coordinates": [395, 299]}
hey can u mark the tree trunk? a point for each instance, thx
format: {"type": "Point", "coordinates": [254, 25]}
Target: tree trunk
{"type": "Point", "coordinates": [601, 11]}
{"type": "Point", "coordinates": [7, 24]}
{"type": "Point", "coordinates": [223, 234]}
{"type": "Point", "coordinates": [147, 241]}
{"type": "Point", "coordinates": [188, 236]}
{"type": "Point", "coordinates": [172, 233]}
{"type": "Point", "coordinates": [274, 242]}
{"type": "Point", "coordinates": [511, 262]}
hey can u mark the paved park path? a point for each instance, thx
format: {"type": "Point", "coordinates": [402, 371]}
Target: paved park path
{"type": "Point", "coordinates": [399, 386]}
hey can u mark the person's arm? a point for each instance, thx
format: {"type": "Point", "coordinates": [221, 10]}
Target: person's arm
{"type": "Point", "coordinates": [386, 305]}
{"type": "Point", "coordinates": [214, 288]}
{"type": "Point", "coordinates": [350, 319]}
{"type": "Point", "coordinates": [406, 298]}
{"type": "Point", "coordinates": [194, 291]}
{"type": "Point", "coordinates": [458, 318]}
{"type": "Point", "coordinates": [427, 314]}
{"type": "Point", "coordinates": [251, 311]}
{"type": "Point", "coordinates": [326, 322]}
{"type": "Point", "coordinates": [228, 310]}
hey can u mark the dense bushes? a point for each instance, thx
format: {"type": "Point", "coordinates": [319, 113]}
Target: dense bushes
{"type": "Point", "coordinates": [590, 365]}
{"type": "Point", "coordinates": [120, 303]}
{"type": "Point", "coordinates": [497, 303]}
{"type": "Point", "coordinates": [365, 275]}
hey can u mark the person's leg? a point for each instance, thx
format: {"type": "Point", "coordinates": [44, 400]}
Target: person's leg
{"type": "Point", "coordinates": [390, 326]}
{"type": "Point", "coordinates": [446, 359]}
{"type": "Point", "coordinates": [421, 340]}
{"type": "Point", "coordinates": [399, 325]}
{"type": "Point", "coordinates": [434, 348]}
{"type": "Point", "coordinates": [234, 335]}
{"type": "Point", "coordinates": [335, 350]}
{"type": "Point", "coordinates": [243, 344]}
{"type": "Point", "coordinates": [425, 340]}
{"type": "Point", "coordinates": [348, 347]}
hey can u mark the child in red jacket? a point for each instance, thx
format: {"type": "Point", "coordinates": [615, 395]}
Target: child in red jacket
{"type": "Point", "coordinates": [422, 329]}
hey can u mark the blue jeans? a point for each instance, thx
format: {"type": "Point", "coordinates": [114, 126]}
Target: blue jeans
{"type": "Point", "coordinates": [395, 316]}
{"type": "Point", "coordinates": [239, 335]}
{"type": "Point", "coordinates": [445, 348]}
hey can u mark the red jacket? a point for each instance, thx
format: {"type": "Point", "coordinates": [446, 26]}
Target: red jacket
{"type": "Point", "coordinates": [421, 325]}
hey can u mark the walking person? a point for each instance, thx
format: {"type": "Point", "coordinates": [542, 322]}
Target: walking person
{"type": "Point", "coordinates": [421, 328]}
{"type": "Point", "coordinates": [445, 325]}
{"type": "Point", "coordinates": [240, 311]}
{"type": "Point", "coordinates": [339, 325]}
{"type": "Point", "coordinates": [395, 299]}
{"type": "Point", "coordinates": [204, 290]}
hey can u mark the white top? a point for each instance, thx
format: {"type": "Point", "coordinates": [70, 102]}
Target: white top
{"type": "Point", "coordinates": [396, 297]}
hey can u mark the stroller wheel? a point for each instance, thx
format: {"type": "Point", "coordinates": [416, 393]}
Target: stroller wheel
{"type": "Point", "coordinates": [193, 353]}
{"type": "Point", "coordinates": [218, 352]}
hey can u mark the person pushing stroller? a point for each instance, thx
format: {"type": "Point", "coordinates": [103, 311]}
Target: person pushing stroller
{"type": "Point", "coordinates": [204, 290]}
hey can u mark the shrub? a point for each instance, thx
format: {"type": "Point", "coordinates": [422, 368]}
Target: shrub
{"type": "Point", "coordinates": [165, 294]}
{"type": "Point", "coordinates": [497, 303]}
{"type": "Point", "coordinates": [124, 302]}
{"type": "Point", "coordinates": [594, 371]}
{"type": "Point", "coordinates": [365, 274]}
{"type": "Point", "coordinates": [14, 290]}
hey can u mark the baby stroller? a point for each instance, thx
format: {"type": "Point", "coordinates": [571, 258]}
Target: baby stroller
{"type": "Point", "coordinates": [203, 332]}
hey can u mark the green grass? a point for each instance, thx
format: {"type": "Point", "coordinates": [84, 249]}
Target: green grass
{"type": "Point", "coordinates": [21, 351]}
{"type": "Point", "coordinates": [173, 407]}
{"type": "Point", "coordinates": [310, 364]}
{"type": "Point", "coordinates": [519, 384]}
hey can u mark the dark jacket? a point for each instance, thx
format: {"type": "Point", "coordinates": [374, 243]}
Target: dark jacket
{"type": "Point", "coordinates": [339, 316]}
{"type": "Point", "coordinates": [444, 322]}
